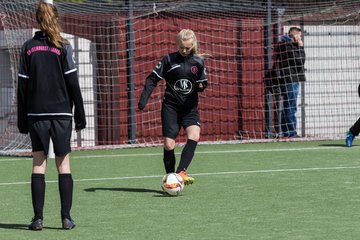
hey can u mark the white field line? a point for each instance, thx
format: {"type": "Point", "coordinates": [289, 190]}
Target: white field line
{"type": "Point", "coordinates": [197, 152]}
{"type": "Point", "coordinates": [201, 174]}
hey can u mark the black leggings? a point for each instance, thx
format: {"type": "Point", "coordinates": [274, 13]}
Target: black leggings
{"type": "Point", "coordinates": [355, 129]}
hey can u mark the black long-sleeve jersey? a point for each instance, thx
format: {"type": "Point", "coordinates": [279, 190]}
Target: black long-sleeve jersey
{"type": "Point", "coordinates": [182, 75]}
{"type": "Point", "coordinates": [48, 85]}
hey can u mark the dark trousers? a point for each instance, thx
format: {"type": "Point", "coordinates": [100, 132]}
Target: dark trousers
{"type": "Point", "coordinates": [288, 123]}
{"type": "Point", "coordinates": [355, 129]}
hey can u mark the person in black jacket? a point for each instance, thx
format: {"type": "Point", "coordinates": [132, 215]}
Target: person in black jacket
{"type": "Point", "coordinates": [291, 59]}
{"type": "Point", "coordinates": [184, 73]}
{"type": "Point", "coordinates": [354, 130]}
{"type": "Point", "coordinates": [48, 89]}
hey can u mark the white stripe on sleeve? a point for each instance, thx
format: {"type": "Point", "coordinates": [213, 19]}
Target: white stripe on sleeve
{"type": "Point", "coordinates": [49, 114]}
{"type": "Point", "coordinates": [23, 76]}
{"type": "Point", "coordinates": [158, 75]}
{"type": "Point", "coordinates": [70, 71]}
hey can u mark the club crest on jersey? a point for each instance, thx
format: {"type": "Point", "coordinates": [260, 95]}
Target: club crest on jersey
{"type": "Point", "coordinates": [183, 86]}
{"type": "Point", "coordinates": [194, 69]}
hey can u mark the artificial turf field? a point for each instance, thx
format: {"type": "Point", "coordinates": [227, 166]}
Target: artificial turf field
{"type": "Point", "coordinates": [287, 190]}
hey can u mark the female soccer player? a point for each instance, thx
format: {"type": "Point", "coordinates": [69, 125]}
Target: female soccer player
{"type": "Point", "coordinates": [184, 73]}
{"type": "Point", "coordinates": [48, 88]}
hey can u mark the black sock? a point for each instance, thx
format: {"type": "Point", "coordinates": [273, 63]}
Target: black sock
{"type": "Point", "coordinates": [66, 185]}
{"type": "Point", "coordinates": [187, 155]}
{"type": "Point", "coordinates": [38, 194]}
{"type": "Point", "coordinates": [169, 160]}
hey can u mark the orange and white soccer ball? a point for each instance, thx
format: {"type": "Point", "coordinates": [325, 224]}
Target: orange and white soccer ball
{"type": "Point", "coordinates": [172, 184]}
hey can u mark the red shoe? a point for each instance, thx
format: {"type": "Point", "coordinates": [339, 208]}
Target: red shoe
{"type": "Point", "coordinates": [187, 180]}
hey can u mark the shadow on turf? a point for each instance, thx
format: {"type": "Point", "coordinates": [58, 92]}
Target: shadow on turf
{"type": "Point", "coordinates": [136, 190]}
{"type": "Point", "coordinates": [16, 226]}
{"type": "Point", "coordinates": [333, 145]}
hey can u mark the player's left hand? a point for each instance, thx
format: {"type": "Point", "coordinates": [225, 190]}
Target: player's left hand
{"type": "Point", "coordinates": [201, 87]}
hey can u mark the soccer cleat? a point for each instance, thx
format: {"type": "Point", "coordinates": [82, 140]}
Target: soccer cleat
{"type": "Point", "coordinates": [187, 180]}
{"type": "Point", "coordinates": [68, 223]}
{"type": "Point", "coordinates": [349, 139]}
{"type": "Point", "coordinates": [36, 224]}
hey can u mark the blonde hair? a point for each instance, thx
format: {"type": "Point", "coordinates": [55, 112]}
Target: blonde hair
{"type": "Point", "coordinates": [48, 18]}
{"type": "Point", "coordinates": [186, 34]}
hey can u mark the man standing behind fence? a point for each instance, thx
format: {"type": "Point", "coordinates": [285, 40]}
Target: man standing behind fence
{"type": "Point", "coordinates": [291, 57]}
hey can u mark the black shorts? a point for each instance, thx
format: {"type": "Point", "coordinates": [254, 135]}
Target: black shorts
{"type": "Point", "coordinates": [174, 118]}
{"type": "Point", "coordinates": [58, 130]}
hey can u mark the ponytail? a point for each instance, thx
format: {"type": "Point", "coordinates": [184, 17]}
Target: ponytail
{"type": "Point", "coordinates": [48, 19]}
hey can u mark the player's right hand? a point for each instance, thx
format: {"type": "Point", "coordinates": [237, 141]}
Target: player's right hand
{"type": "Point", "coordinates": [140, 106]}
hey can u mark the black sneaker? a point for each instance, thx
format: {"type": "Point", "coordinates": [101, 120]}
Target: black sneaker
{"type": "Point", "coordinates": [36, 224]}
{"type": "Point", "coordinates": [68, 223]}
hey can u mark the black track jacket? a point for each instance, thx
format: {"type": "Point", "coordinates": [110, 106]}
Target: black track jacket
{"type": "Point", "coordinates": [291, 60]}
{"type": "Point", "coordinates": [48, 85]}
